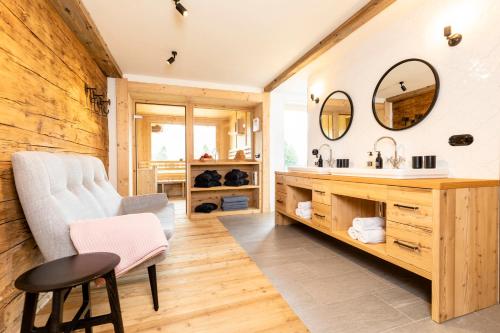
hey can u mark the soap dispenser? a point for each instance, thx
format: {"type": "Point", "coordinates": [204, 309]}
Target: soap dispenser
{"type": "Point", "coordinates": [320, 161]}
{"type": "Point", "coordinates": [379, 163]}
{"type": "Point", "coordinates": [370, 162]}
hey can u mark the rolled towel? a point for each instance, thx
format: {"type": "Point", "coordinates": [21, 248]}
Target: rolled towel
{"type": "Point", "coordinates": [368, 223]}
{"type": "Point", "coordinates": [372, 236]}
{"type": "Point", "coordinates": [304, 205]}
{"type": "Point", "coordinates": [352, 233]}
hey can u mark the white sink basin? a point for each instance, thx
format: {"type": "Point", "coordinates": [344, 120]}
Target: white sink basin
{"type": "Point", "coordinates": [319, 170]}
{"type": "Point", "coordinates": [391, 173]}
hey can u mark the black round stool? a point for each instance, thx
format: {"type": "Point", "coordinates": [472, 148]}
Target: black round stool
{"type": "Point", "coordinates": [59, 277]}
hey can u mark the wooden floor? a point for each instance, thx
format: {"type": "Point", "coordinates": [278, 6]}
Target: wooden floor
{"type": "Point", "coordinates": [207, 284]}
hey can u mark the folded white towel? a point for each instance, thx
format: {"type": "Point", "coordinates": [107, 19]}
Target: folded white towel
{"type": "Point", "coordinates": [352, 233]}
{"type": "Point", "coordinates": [368, 223]}
{"type": "Point", "coordinates": [372, 236]}
{"type": "Point", "coordinates": [304, 205]}
{"type": "Point", "coordinates": [304, 213]}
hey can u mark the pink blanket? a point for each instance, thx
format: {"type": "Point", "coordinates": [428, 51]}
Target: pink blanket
{"type": "Point", "coordinates": [134, 237]}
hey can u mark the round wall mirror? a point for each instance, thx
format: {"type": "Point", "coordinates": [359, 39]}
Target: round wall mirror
{"type": "Point", "coordinates": [405, 94]}
{"type": "Point", "coordinates": [336, 115]}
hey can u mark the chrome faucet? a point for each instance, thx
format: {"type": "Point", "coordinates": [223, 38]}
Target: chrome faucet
{"type": "Point", "coordinates": [329, 161]}
{"type": "Point", "coordinates": [395, 160]}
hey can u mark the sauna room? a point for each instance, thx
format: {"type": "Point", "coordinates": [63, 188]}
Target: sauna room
{"type": "Point", "coordinates": [277, 166]}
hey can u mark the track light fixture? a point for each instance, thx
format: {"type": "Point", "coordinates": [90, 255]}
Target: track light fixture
{"type": "Point", "coordinates": [402, 84]}
{"type": "Point", "coordinates": [171, 60]}
{"type": "Point", "coordinates": [180, 8]}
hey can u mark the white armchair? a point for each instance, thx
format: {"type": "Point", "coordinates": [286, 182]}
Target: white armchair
{"type": "Point", "coordinates": [57, 189]}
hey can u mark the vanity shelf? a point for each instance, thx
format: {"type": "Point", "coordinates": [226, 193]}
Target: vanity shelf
{"type": "Point", "coordinates": [446, 221]}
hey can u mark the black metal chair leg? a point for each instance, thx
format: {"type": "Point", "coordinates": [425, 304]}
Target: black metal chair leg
{"type": "Point", "coordinates": [29, 312]}
{"type": "Point", "coordinates": [154, 286]}
{"type": "Point", "coordinates": [86, 300]}
{"type": "Point", "coordinates": [54, 324]}
{"type": "Point", "coordinates": [114, 302]}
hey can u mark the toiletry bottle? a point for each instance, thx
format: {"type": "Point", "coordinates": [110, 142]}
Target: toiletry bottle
{"type": "Point", "coordinates": [370, 161]}
{"type": "Point", "coordinates": [320, 161]}
{"type": "Point", "coordinates": [379, 163]}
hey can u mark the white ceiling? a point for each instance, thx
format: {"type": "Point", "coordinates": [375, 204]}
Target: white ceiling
{"type": "Point", "coordinates": [231, 42]}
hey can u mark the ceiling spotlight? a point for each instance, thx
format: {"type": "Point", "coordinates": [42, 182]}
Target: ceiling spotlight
{"type": "Point", "coordinates": [402, 84]}
{"type": "Point", "coordinates": [180, 8]}
{"type": "Point", "coordinates": [171, 60]}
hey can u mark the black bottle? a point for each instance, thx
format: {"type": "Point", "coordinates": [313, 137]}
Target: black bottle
{"type": "Point", "coordinates": [320, 161]}
{"type": "Point", "coordinates": [379, 163]}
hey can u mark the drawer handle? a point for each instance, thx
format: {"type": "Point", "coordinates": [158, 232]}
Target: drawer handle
{"type": "Point", "coordinates": [406, 207]}
{"type": "Point", "coordinates": [320, 192]}
{"type": "Point", "coordinates": [406, 245]}
{"type": "Point", "coordinates": [279, 183]}
{"type": "Point", "coordinates": [279, 201]}
{"type": "Point", "coordinates": [319, 215]}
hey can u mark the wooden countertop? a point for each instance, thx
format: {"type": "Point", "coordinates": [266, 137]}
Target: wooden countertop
{"type": "Point", "coordinates": [224, 162]}
{"type": "Point", "coordinates": [431, 183]}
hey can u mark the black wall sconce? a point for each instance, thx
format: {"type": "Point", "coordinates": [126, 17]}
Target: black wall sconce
{"type": "Point", "coordinates": [98, 101]}
{"type": "Point", "coordinates": [315, 99]}
{"type": "Point", "coordinates": [180, 8]}
{"type": "Point", "coordinates": [453, 39]}
{"type": "Point", "coordinates": [171, 60]}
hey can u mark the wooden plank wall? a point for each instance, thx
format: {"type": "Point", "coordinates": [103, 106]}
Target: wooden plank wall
{"type": "Point", "coordinates": [43, 106]}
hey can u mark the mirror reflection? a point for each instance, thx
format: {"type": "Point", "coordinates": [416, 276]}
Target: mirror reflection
{"type": "Point", "coordinates": [336, 115]}
{"type": "Point", "coordinates": [405, 94]}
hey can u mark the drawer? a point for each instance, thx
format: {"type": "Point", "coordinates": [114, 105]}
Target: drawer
{"type": "Point", "coordinates": [280, 180]}
{"type": "Point", "coordinates": [298, 182]}
{"type": "Point", "coordinates": [359, 190]}
{"type": "Point", "coordinates": [322, 216]}
{"type": "Point", "coordinates": [321, 192]}
{"type": "Point", "coordinates": [281, 201]}
{"type": "Point", "coordinates": [280, 188]}
{"type": "Point", "coordinates": [409, 244]}
{"type": "Point", "coordinates": [411, 206]}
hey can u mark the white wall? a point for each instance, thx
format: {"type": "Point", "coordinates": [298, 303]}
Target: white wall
{"type": "Point", "coordinates": [112, 171]}
{"type": "Point", "coordinates": [469, 98]}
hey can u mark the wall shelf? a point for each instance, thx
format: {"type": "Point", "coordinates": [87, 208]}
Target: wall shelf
{"type": "Point", "coordinates": [217, 213]}
{"type": "Point", "coordinates": [223, 188]}
{"type": "Point", "coordinates": [199, 195]}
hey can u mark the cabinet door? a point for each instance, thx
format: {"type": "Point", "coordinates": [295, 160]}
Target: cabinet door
{"type": "Point", "coordinates": [322, 216]}
{"type": "Point", "coordinates": [409, 244]}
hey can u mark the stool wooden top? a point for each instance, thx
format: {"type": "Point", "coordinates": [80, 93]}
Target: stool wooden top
{"type": "Point", "coordinates": [67, 272]}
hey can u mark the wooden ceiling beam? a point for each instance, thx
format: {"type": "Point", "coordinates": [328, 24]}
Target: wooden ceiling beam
{"type": "Point", "coordinates": [78, 19]}
{"type": "Point", "coordinates": [365, 14]}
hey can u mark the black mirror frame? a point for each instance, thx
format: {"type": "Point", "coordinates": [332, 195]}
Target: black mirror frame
{"type": "Point", "coordinates": [352, 115]}
{"type": "Point", "coordinates": [436, 78]}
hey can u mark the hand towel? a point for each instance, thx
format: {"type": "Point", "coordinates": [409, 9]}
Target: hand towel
{"type": "Point", "coordinates": [134, 237]}
{"type": "Point", "coordinates": [304, 205]}
{"type": "Point", "coordinates": [372, 236]}
{"type": "Point", "coordinates": [352, 233]}
{"type": "Point", "coordinates": [368, 223]}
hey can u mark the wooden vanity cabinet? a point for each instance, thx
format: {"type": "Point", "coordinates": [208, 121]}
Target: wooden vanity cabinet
{"type": "Point", "coordinates": [445, 230]}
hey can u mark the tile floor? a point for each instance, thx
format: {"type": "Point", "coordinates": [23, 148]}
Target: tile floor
{"type": "Point", "coordinates": [334, 287]}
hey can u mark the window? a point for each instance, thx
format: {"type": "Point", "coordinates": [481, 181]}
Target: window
{"type": "Point", "coordinates": [168, 142]}
{"type": "Point", "coordinates": [205, 140]}
{"type": "Point", "coordinates": [295, 134]}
